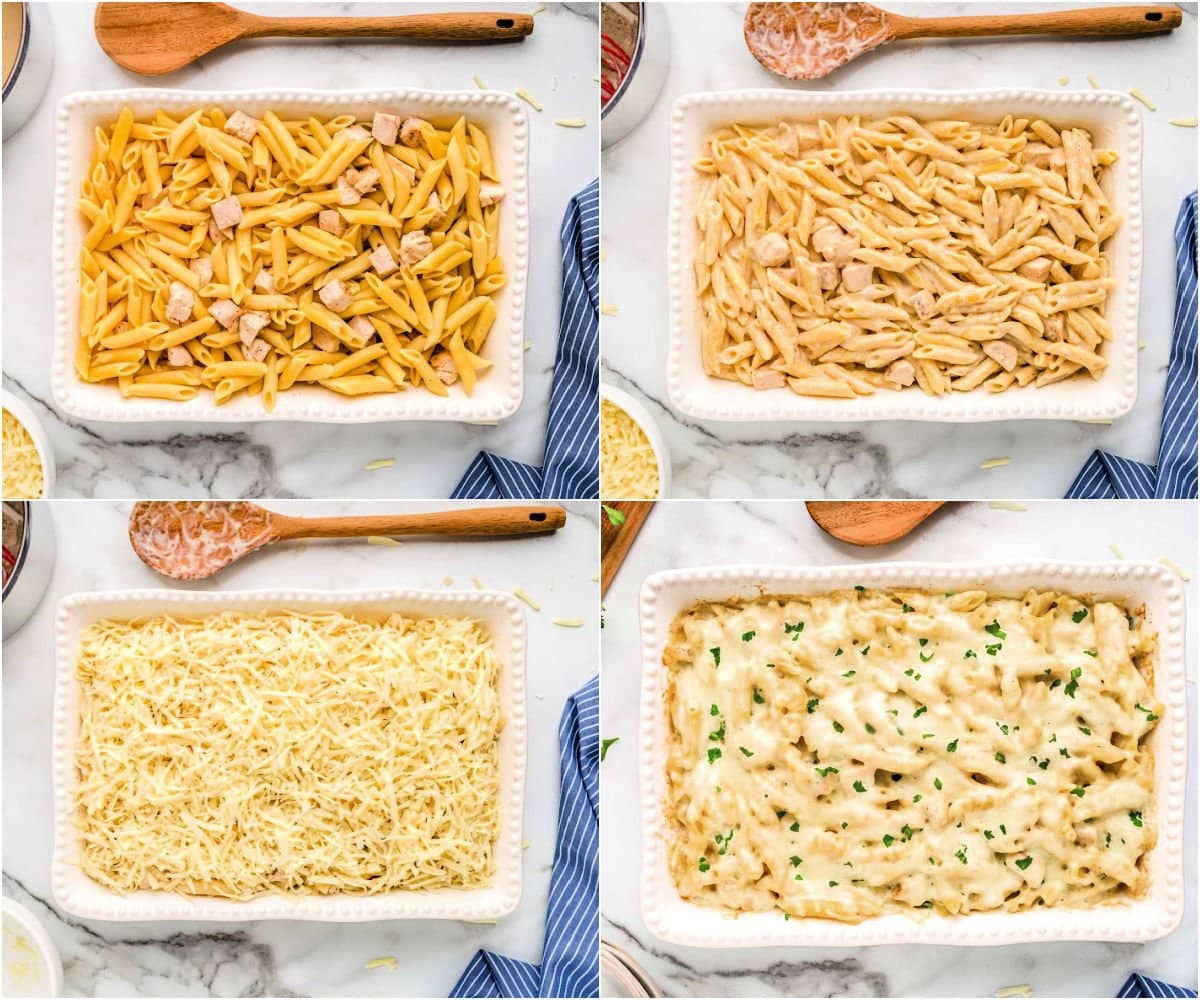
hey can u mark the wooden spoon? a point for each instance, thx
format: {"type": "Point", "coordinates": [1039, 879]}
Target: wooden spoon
{"type": "Point", "coordinates": [805, 41]}
{"type": "Point", "coordinates": [157, 38]}
{"type": "Point", "coordinates": [191, 540]}
{"type": "Point", "coordinates": [867, 522]}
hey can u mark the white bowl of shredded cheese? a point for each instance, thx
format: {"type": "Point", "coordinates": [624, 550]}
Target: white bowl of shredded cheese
{"type": "Point", "coordinates": [32, 967]}
{"type": "Point", "coordinates": [634, 461]}
{"type": "Point", "coordinates": [28, 461]}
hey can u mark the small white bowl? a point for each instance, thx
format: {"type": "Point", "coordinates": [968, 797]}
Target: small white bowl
{"type": "Point", "coordinates": [641, 416]}
{"type": "Point", "coordinates": [41, 440]}
{"type": "Point", "coordinates": [23, 930]}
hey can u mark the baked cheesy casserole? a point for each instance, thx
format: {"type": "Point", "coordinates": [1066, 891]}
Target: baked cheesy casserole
{"type": "Point", "coordinates": [867, 752]}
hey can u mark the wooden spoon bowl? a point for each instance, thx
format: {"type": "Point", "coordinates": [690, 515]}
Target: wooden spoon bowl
{"type": "Point", "coordinates": [868, 522]}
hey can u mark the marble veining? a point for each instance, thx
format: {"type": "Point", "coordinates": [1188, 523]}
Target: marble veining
{"type": "Point", "coordinates": [894, 458]}
{"type": "Point", "coordinates": [555, 64]}
{"type": "Point", "coordinates": [297, 958]}
{"type": "Point", "coordinates": [684, 534]}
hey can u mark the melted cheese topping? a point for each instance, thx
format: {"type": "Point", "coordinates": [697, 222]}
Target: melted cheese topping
{"type": "Point", "coordinates": [628, 465]}
{"type": "Point", "coordinates": [23, 477]}
{"type": "Point", "coordinates": [869, 752]}
{"type": "Point", "coordinates": [303, 753]}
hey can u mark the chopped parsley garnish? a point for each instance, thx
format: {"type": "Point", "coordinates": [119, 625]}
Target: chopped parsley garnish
{"type": "Point", "coordinates": [988, 835]}
{"type": "Point", "coordinates": [832, 883]}
{"type": "Point", "coordinates": [917, 798]}
{"type": "Point", "coordinates": [747, 636]}
{"type": "Point", "coordinates": [909, 672]}
{"type": "Point", "coordinates": [1084, 730]}
{"type": "Point", "coordinates": [716, 655]}
{"type": "Point", "coordinates": [849, 673]}
{"type": "Point", "coordinates": [718, 734]}
{"type": "Point", "coordinates": [605, 744]}
{"type": "Point", "coordinates": [1090, 652]}
{"type": "Point", "coordinates": [1030, 781]}
{"type": "Point", "coordinates": [937, 783]}
{"type": "Point", "coordinates": [888, 840]}
{"type": "Point", "coordinates": [1073, 686]}
{"type": "Point", "coordinates": [952, 746]}
{"type": "Point", "coordinates": [869, 728]}
{"type": "Point", "coordinates": [811, 705]}
{"type": "Point", "coordinates": [714, 754]}
{"type": "Point", "coordinates": [1000, 758]}
{"type": "Point", "coordinates": [838, 727]}
{"type": "Point", "coordinates": [1078, 791]}
{"type": "Point", "coordinates": [970, 654]}
{"type": "Point", "coordinates": [615, 517]}
{"type": "Point", "coordinates": [1150, 716]}
{"type": "Point", "coordinates": [1024, 863]}
{"type": "Point", "coordinates": [758, 698]}
{"type": "Point", "coordinates": [961, 854]}
{"type": "Point", "coordinates": [907, 832]}
{"type": "Point", "coordinates": [1004, 829]}
{"type": "Point", "coordinates": [922, 642]}
{"type": "Point", "coordinates": [1135, 817]}
{"type": "Point", "coordinates": [905, 608]}
{"type": "Point", "coordinates": [1079, 615]}
{"type": "Point", "coordinates": [923, 658]}
{"type": "Point", "coordinates": [839, 653]}
{"type": "Point", "coordinates": [995, 629]}
{"type": "Point", "coordinates": [796, 861]}
{"type": "Point", "coordinates": [1002, 726]}
{"type": "Point", "coordinates": [859, 787]}
{"type": "Point", "coordinates": [921, 710]}
{"type": "Point", "coordinates": [795, 827]}
{"type": "Point", "coordinates": [860, 588]}
{"type": "Point", "coordinates": [723, 842]}
{"type": "Point", "coordinates": [793, 630]}
{"type": "Point", "coordinates": [745, 752]}
{"type": "Point", "coordinates": [865, 650]}
{"type": "Point", "coordinates": [704, 865]}
{"type": "Point", "coordinates": [993, 648]}
{"type": "Point", "coordinates": [713, 710]}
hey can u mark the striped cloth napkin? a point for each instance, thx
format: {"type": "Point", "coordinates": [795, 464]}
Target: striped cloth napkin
{"type": "Point", "coordinates": [570, 953]}
{"type": "Point", "coordinates": [1138, 985]}
{"type": "Point", "coordinates": [571, 466]}
{"type": "Point", "coordinates": [1110, 477]}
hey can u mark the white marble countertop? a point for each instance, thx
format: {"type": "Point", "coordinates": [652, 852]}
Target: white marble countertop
{"type": "Point", "coordinates": [685, 534]}
{"type": "Point", "coordinates": [277, 958]}
{"type": "Point", "coordinates": [889, 459]}
{"type": "Point", "coordinates": [556, 64]}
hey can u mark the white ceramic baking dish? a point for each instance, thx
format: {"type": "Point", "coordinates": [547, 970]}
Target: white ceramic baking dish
{"type": "Point", "coordinates": [664, 595]}
{"type": "Point", "coordinates": [78, 894]}
{"type": "Point", "coordinates": [1115, 123]}
{"type": "Point", "coordinates": [499, 391]}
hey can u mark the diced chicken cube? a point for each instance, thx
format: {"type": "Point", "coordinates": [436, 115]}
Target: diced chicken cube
{"type": "Point", "coordinates": [224, 312]}
{"type": "Point", "coordinates": [923, 304]}
{"type": "Point", "coordinates": [834, 245]}
{"type": "Point", "coordinates": [415, 246]}
{"type": "Point", "coordinates": [771, 250]}
{"type": "Point", "coordinates": [363, 181]}
{"type": "Point", "coordinates": [214, 233]}
{"type": "Point", "coordinates": [250, 325]}
{"type": "Point", "coordinates": [1037, 269]}
{"type": "Point", "coordinates": [227, 213]}
{"type": "Point", "coordinates": [856, 277]}
{"type": "Point", "coordinates": [1001, 352]}
{"type": "Point", "coordinates": [410, 131]}
{"type": "Point", "coordinates": [363, 329]}
{"type": "Point", "coordinates": [438, 218]}
{"type": "Point", "coordinates": [446, 370]}
{"type": "Point", "coordinates": [331, 221]}
{"type": "Point", "coordinates": [767, 378]}
{"type": "Point", "coordinates": [400, 167]}
{"type": "Point", "coordinates": [257, 350]}
{"type": "Point", "coordinates": [348, 194]}
{"type": "Point", "coordinates": [323, 340]}
{"type": "Point", "coordinates": [242, 125]}
{"type": "Point", "coordinates": [825, 238]}
{"type": "Point", "coordinates": [385, 127]}
{"type": "Point", "coordinates": [179, 356]}
{"type": "Point", "coordinates": [355, 133]}
{"type": "Point", "coordinates": [265, 282]}
{"type": "Point", "coordinates": [490, 192]}
{"type": "Point", "coordinates": [382, 260]}
{"type": "Point", "coordinates": [1054, 326]}
{"type": "Point", "coordinates": [335, 295]}
{"type": "Point", "coordinates": [201, 267]}
{"type": "Point", "coordinates": [901, 372]}
{"type": "Point", "coordinates": [828, 276]}
{"type": "Point", "coordinates": [180, 302]}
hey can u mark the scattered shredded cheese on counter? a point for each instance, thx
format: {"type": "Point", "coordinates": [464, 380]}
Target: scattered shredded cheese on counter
{"type": "Point", "coordinates": [447, 581]}
{"type": "Point", "coordinates": [1063, 81]}
{"type": "Point", "coordinates": [995, 463]}
{"type": "Point", "coordinates": [569, 622]}
{"type": "Point", "coordinates": [387, 962]}
{"type": "Point", "coordinates": [1015, 991]}
{"type": "Point", "coordinates": [1137, 95]}
{"type": "Point", "coordinates": [1183, 122]}
{"type": "Point", "coordinates": [480, 84]}
{"type": "Point", "coordinates": [1174, 568]}
{"type": "Point", "coordinates": [528, 344]}
{"type": "Point", "coordinates": [609, 310]}
{"type": "Point", "coordinates": [381, 540]}
{"type": "Point", "coordinates": [379, 463]}
{"type": "Point", "coordinates": [1116, 550]}
{"type": "Point", "coordinates": [1006, 505]}
{"type": "Point", "coordinates": [571, 122]}
{"type": "Point", "coordinates": [478, 583]}
{"type": "Point", "coordinates": [236, 755]}
{"type": "Point", "coordinates": [528, 98]}
{"type": "Point", "coordinates": [1092, 80]}
{"type": "Point", "coordinates": [521, 595]}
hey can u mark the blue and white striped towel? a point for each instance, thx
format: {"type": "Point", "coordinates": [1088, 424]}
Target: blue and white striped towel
{"type": "Point", "coordinates": [571, 950]}
{"type": "Point", "coordinates": [571, 465]}
{"type": "Point", "coordinates": [1110, 477]}
{"type": "Point", "coordinates": [1138, 985]}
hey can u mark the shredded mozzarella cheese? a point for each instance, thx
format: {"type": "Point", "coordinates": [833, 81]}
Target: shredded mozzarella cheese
{"type": "Point", "coordinates": [628, 465]}
{"type": "Point", "coordinates": [310, 753]}
{"type": "Point", "coordinates": [23, 475]}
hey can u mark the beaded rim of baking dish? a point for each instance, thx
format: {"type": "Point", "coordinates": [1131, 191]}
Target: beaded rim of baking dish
{"type": "Point", "coordinates": [326, 407]}
{"type": "Point", "coordinates": [75, 611]}
{"type": "Point", "coordinates": [697, 396]}
{"type": "Point", "coordinates": [1157, 914]}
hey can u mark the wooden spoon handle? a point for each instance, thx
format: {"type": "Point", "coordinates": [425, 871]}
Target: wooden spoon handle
{"type": "Point", "coordinates": [467, 27]}
{"type": "Point", "coordinates": [475, 521]}
{"type": "Point", "coordinates": [1086, 21]}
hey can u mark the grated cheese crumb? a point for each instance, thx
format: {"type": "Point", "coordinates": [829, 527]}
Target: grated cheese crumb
{"type": "Point", "coordinates": [571, 122]}
{"type": "Point", "coordinates": [386, 962]}
{"type": "Point", "coordinates": [381, 540]}
{"type": "Point", "coordinates": [609, 310]}
{"type": "Point", "coordinates": [379, 463]}
{"type": "Point", "coordinates": [478, 583]}
{"type": "Point", "coordinates": [521, 595]}
{"type": "Point", "coordinates": [1141, 345]}
{"type": "Point", "coordinates": [1116, 550]}
{"type": "Point", "coordinates": [1006, 505]}
{"type": "Point", "coordinates": [569, 622]}
{"type": "Point", "coordinates": [1015, 991]}
{"type": "Point", "coordinates": [525, 845]}
{"type": "Point", "coordinates": [448, 581]}
{"type": "Point", "coordinates": [1092, 81]}
{"type": "Point", "coordinates": [484, 423]}
{"type": "Point", "coordinates": [538, 10]}
{"type": "Point", "coordinates": [1183, 122]}
{"type": "Point", "coordinates": [603, 254]}
{"type": "Point", "coordinates": [479, 83]}
{"type": "Point", "coordinates": [1174, 568]}
{"type": "Point", "coordinates": [1108, 421]}
{"type": "Point", "coordinates": [1063, 81]}
{"type": "Point", "coordinates": [528, 344]}
{"type": "Point", "coordinates": [1137, 95]}
{"type": "Point", "coordinates": [528, 98]}
{"type": "Point", "coordinates": [596, 579]}
{"type": "Point", "coordinates": [995, 463]}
